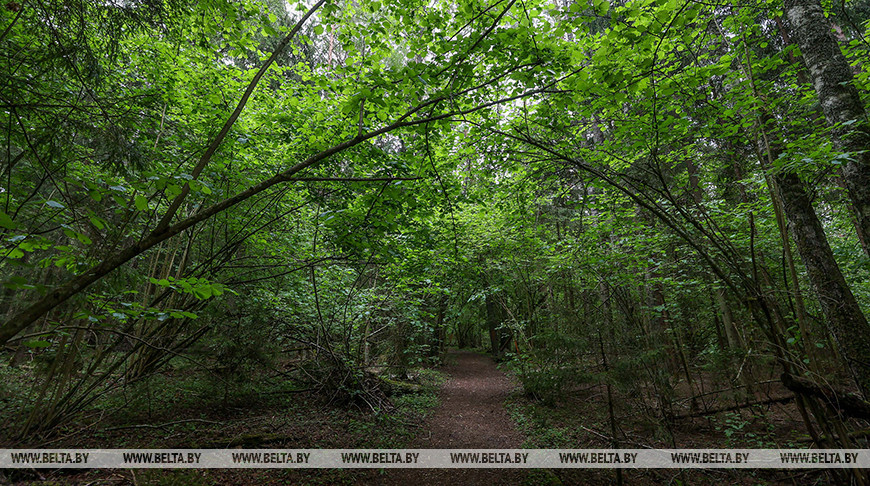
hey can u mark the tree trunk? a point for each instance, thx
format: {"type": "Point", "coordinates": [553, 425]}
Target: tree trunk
{"type": "Point", "coordinates": [492, 323]}
{"type": "Point", "coordinates": [844, 317]}
{"type": "Point", "coordinates": [832, 79]}
{"type": "Point", "coordinates": [735, 341]}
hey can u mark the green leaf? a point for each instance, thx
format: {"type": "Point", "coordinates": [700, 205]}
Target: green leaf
{"type": "Point", "coordinates": [601, 6]}
{"type": "Point", "coordinates": [97, 222]}
{"type": "Point", "coordinates": [141, 202]}
{"type": "Point", "coordinates": [13, 253]}
{"type": "Point", "coordinates": [202, 293]}
{"type": "Point", "coordinates": [6, 221]}
{"type": "Point", "coordinates": [37, 344]}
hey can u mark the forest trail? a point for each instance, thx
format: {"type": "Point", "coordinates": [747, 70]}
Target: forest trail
{"type": "Point", "coordinates": [471, 415]}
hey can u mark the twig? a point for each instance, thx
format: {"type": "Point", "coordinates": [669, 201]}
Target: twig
{"type": "Point", "coordinates": [736, 407]}
{"type": "Point", "coordinates": [362, 111]}
{"type": "Point", "coordinates": [723, 390]}
{"type": "Point", "coordinates": [610, 439]}
{"type": "Point", "coordinates": [149, 426]}
{"type": "Point", "coordinates": [599, 434]}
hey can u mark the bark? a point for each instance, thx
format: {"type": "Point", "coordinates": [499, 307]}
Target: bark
{"type": "Point", "coordinates": [799, 307]}
{"type": "Point", "coordinates": [731, 334]}
{"type": "Point", "coordinates": [848, 404]}
{"type": "Point", "coordinates": [606, 308]}
{"type": "Point", "coordinates": [832, 79]}
{"type": "Point", "coordinates": [843, 315]}
{"type": "Point", "coordinates": [741, 406]}
{"type": "Point", "coordinates": [694, 182]}
{"type": "Point", "coordinates": [493, 322]}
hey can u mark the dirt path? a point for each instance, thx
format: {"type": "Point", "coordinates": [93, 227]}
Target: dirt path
{"type": "Point", "coordinates": [471, 416]}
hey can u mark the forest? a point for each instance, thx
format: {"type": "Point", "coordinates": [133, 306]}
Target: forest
{"type": "Point", "coordinates": [263, 223]}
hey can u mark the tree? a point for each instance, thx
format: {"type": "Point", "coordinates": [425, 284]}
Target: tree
{"type": "Point", "coordinates": [833, 82]}
{"type": "Point", "coordinates": [165, 229]}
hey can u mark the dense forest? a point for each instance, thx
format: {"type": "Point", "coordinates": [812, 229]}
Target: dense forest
{"type": "Point", "coordinates": [653, 214]}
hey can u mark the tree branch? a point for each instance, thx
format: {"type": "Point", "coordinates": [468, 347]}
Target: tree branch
{"type": "Point", "coordinates": [218, 140]}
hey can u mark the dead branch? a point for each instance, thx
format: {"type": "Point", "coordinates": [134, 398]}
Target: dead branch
{"type": "Point", "coordinates": [785, 399]}
{"type": "Point", "coordinates": [858, 434]}
{"type": "Point", "coordinates": [715, 392]}
{"type": "Point", "coordinates": [161, 426]}
{"type": "Point", "coordinates": [846, 403]}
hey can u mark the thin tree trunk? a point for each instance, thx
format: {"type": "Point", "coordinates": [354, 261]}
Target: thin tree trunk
{"type": "Point", "coordinates": [733, 337]}
{"type": "Point", "coordinates": [492, 322]}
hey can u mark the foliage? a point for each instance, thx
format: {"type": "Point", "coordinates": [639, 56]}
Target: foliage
{"type": "Point", "coordinates": [335, 193]}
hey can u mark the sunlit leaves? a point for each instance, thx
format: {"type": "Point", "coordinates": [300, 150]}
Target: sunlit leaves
{"type": "Point", "coordinates": [198, 287]}
{"type": "Point", "coordinates": [141, 202]}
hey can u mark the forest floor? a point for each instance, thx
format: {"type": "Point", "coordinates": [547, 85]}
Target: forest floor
{"type": "Point", "coordinates": [467, 403]}
{"type": "Point", "coordinates": [465, 411]}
